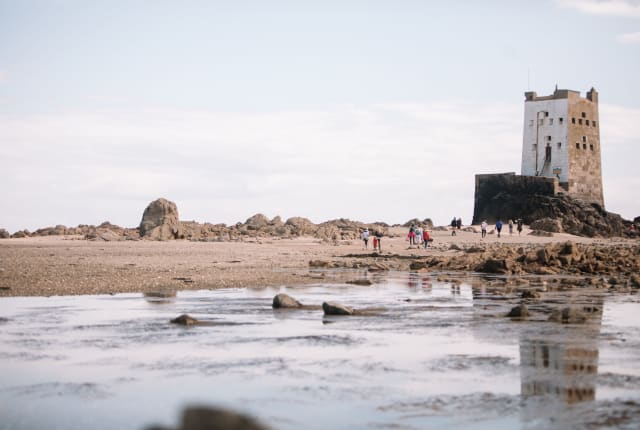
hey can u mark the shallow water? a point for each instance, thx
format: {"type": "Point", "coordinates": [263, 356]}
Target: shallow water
{"type": "Point", "coordinates": [431, 355]}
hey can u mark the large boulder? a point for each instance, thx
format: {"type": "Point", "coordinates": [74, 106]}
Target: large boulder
{"type": "Point", "coordinates": [160, 221]}
{"type": "Point", "coordinates": [285, 301]}
{"type": "Point", "coordinates": [257, 222]}
{"type": "Point", "coordinates": [333, 308]}
{"type": "Point", "coordinates": [552, 225]}
{"type": "Point", "coordinates": [4, 234]}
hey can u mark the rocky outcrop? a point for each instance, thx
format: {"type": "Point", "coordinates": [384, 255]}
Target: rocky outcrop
{"type": "Point", "coordinates": [532, 199]}
{"type": "Point", "coordinates": [4, 234]}
{"type": "Point", "coordinates": [549, 259]}
{"type": "Point", "coordinates": [160, 221]}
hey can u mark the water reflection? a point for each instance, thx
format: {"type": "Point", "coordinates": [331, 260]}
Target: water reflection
{"type": "Point", "coordinates": [565, 365]}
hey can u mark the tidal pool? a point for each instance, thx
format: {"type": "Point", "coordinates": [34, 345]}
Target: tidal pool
{"type": "Point", "coordinates": [431, 354]}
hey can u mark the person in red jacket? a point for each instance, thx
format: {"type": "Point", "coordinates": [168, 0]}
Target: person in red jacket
{"type": "Point", "coordinates": [426, 238]}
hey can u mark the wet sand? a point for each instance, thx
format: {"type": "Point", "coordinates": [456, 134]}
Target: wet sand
{"type": "Point", "coordinates": [70, 265]}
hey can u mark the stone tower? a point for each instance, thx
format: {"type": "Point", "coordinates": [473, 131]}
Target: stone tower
{"type": "Point", "coordinates": [561, 139]}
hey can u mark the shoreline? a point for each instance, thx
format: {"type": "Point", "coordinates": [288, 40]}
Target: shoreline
{"type": "Point", "coordinates": [70, 265]}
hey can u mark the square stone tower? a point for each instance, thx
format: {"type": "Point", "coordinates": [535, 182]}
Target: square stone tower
{"type": "Point", "coordinates": [561, 139]}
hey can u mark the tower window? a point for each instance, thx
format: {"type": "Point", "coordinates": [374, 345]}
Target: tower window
{"type": "Point", "coordinates": [548, 138]}
{"type": "Point", "coordinates": [559, 145]}
{"type": "Point", "coordinates": [577, 145]}
{"type": "Point", "coordinates": [591, 147]}
{"type": "Point", "coordinates": [531, 123]}
{"type": "Point", "coordinates": [594, 123]}
{"type": "Point", "coordinates": [587, 122]}
{"type": "Point", "coordinates": [573, 120]}
{"type": "Point", "coordinates": [546, 114]}
{"type": "Point", "coordinates": [584, 138]}
{"type": "Point", "coordinates": [580, 121]}
{"type": "Point", "coordinates": [584, 146]}
{"type": "Point", "coordinates": [584, 115]}
{"type": "Point", "coordinates": [551, 121]}
{"type": "Point", "coordinates": [560, 120]}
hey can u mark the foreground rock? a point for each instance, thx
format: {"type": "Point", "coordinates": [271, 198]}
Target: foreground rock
{"type": "Point", "coordinates": [520, 311]}
{"type": "Point", "coordinates": [204, 418]}
{"type": "Point", "coordinates": [185, 319]}
{"type": "Point", "coordinates": [285, 301]}
{"type": "Point", "coordinates": [333, 308]}
{"type": "Point", "coordinates": [160, 221]}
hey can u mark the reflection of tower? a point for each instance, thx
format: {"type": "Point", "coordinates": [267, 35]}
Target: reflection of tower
{"type": "Point", "coordinates": [566, 372]}
{"type": "Point", "coordinates": [561, 366]}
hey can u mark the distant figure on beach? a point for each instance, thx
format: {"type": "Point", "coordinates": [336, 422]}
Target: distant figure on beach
{"type": "Point", "coordinates": [483, 227]}
{"type": "Point", "coordinates": [510, 226]}
{"type": "Point", "coordinates": [365, 238]}
{"type": "Point", "coordinates": [499, 226]}
{"type": "Point", "coordinates": [454, 225]}
{"type": "Point", "coordinates": [519, 226]}
{"type": "Point", "coordinates": [412, 235]}
{"type": "Point", "coordinates": [632, 231]}
{"type": "Point", "coordinates": [459, 223]}
{"type": "Point", "coordinates": [426, 238]}
{"type": "Point", "coordinates": [418, 238]}
{"type": "Point", "coordinates": [378, 240]}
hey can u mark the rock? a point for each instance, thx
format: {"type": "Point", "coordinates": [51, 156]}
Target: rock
{"type": "Point", "coordinates": [333, 308]}
{"type": "Point", "coordinates": [552, 225]}
{"type": "Point", "coordinates": [377, 267]}
{"type": "Point", "coordinates": [285, 301]}
{"type": "Point", "coordinates": [20, 234]}
{"type": "Point", "coordinates": [184, 319]}
{"type": "Point", "coordinates": [257, 222]}
{"type": "Point", "coordinates": [530, 294]}
{"type": "Point", "coordinates": [160, 221]}
{"type": "Point", "coordinates": [4, 234]}
{"type": "Point", "coordinates": [418, 265]}
{"type": "Point", "coordinates": [634, 280]}
{"type": "Point", "coordinates": [474, 249]}
{"type": "Point", "coordinates": [363, 282]}
{"type": "Point", "coordinates": [319, 263]}
{"type": "Point", "coordinates": [300, 226]}
{"type": "Point", "coordinates": [519, 311]}
{"type": "Point", "coordinates": [493, 265]}
{"type": "Point", "coordinates": [568, 316]}
{"type": "Point", "coordinates": [206, 418]}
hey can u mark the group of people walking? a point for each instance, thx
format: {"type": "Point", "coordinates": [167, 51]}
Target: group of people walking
{"type": "Point", "coordinates": [377, 239]}
{"type": "Point", "coordinates": [418, 236]}
{"type": "Point", "coordinates": [499, 225]}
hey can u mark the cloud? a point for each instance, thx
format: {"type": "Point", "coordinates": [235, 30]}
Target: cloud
{"type": "Point", "coordinates": [621, 8]}
{"type": "Point", "coordinates": [629, 38]}
{"type": "Point", "coordinates": [387, 162]}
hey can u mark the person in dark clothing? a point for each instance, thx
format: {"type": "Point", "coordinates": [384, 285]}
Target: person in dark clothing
{"type": "Point", "coordinates": [519, 226]}
{"type": "Point", "coordinates": [499, 226]}
{"type": "Point", "coordinates": [454, 225]}
{"type": "Point", "coordinates": [459, 223]}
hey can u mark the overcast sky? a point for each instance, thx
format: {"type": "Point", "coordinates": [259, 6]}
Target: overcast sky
{"type": "Point", "coordinates": [377, 110]}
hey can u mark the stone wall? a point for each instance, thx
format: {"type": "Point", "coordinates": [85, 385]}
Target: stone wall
{"type": "Point", "coordinates": [495, 194]}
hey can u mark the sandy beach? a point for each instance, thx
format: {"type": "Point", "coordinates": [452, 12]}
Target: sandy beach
{"type": "Point", "coordinates": [70, 265]}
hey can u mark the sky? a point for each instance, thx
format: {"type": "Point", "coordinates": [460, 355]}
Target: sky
{"type": "Point", "coordinates": [378, 110]}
